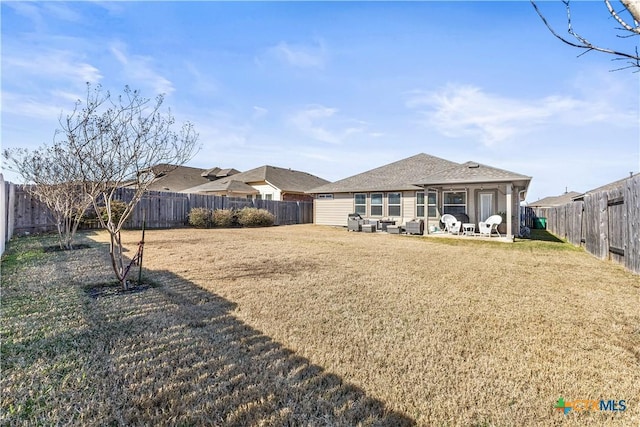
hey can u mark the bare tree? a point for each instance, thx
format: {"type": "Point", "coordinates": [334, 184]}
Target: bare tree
{"type": "Point", "coordinates": [116, 142]}
{"type": "Point", "coordinates": [51, 174]}
{"type": "Point", "coordinates": [627, 17]}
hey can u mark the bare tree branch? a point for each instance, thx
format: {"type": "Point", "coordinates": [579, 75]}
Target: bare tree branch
{"type": "Point", "coordinates": [118, 142]}
{"type": "Point", "coordinates": [581, 42]}
{"type": "Point", "coordinates": [52, 175]}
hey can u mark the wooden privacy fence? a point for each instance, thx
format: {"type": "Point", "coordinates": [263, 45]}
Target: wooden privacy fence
{"type": "Point", "coordinates": [606, 222]}
{"type": "Point", "coordinates": [25, 214]}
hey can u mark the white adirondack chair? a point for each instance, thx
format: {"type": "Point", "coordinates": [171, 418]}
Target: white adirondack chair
{"type": "Point", "coordinates": [489, 225]}
{"type": "Point", "coordinates": [451, 224]}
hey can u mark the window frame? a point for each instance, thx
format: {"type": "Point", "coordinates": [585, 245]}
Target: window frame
{"type": "Point", "coordinates": [356, 204]}
{"type": "Point", "coordinates": [445, 204]}
{"type": "Point", "coordinates": [376, 205]}
{"type": "Point", "coordinates": [433, 205]}
{"type": "Point", "coordinates": [394, 205]}
{"type": "Point", "coordinates": [420, 205]}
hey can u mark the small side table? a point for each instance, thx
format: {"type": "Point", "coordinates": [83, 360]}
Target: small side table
{"type": "Point", "coordinates": [468, 229]}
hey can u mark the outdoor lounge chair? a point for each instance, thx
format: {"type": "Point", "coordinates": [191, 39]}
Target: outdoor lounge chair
{"type": "Point", "coordinates": [451, 224]}
{"type": "Point", "coordinates": [354, 222]}
{"type": "Point", "coordinates": [487, 226]}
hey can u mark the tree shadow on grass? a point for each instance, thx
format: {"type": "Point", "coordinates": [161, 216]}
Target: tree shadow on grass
{"type": "Point", "coordinates": [176, 355]}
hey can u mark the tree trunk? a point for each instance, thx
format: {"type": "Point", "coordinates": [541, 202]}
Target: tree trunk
{"type": "Point", "coordinates": [117, 262]}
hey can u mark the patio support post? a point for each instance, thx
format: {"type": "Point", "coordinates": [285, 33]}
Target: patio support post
{"type": "Point", "coordinates": [509, 211]}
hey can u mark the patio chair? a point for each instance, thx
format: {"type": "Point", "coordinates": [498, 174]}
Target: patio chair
{"type": "Point", "coordinates": [451, 224]}
{"type": "Point", "coordinates": [487, 226]}
{"type": "Point", "coordinates": [354, 222]}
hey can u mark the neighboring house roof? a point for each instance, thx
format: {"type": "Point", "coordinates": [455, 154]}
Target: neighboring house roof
{"type": "Point", "coordinates": [554, 200]}
{"type": "Point", "coordinates": [607, 187]}
{"type": "Point", "coordinates": [400, 175]}
{"type": "Point", "coordinates": [175, 178]}
{"type": "Point", "coordinates": [471, 172]}
{"type": "Point", "coordinates": [286, 180]}
{"type": "Point", "coordinates": [216, 173]}
{"type": "Point", "coordinates": [224, 185]}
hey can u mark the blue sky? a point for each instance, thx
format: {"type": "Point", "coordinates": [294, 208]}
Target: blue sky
{"type": "Point", "coordinates": [338, 88]}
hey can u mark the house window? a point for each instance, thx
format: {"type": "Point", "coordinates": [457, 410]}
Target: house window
{"type": "Point", "coordinates": [268, 196]}
{"type": "Point", "coordinates": [420, 204]}
{"type": "Point", "coordinates": [454, 202]}
{"type": "Point", "coordinates": [360, 204]}
{"type": "Point", "coordinates": [325, 196]}
{"type": "Point", "coordinates": [432, 203]}
{"type": "Point", "coordinates": [393, 204]}
{"type": "Point", "coordinates": [258, 196]}
{"type": "Point", "coordinates": [249, 196]}
{"type": "Point", "coordinates": [376, 204]}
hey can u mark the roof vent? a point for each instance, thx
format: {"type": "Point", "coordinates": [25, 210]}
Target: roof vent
{"type": "Point", "coordinates": [473, 166]}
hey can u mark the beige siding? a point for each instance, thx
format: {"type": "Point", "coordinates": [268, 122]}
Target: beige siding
{"type": "Point", "coordinates": [333, 211]}
{"type": "Point", "coordinates": [408, 206]}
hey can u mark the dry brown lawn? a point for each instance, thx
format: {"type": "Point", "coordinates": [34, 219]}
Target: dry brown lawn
{"type": "Point", "coordinates": [310, 325]}
{"type": "Point", "coordinates": [442, 332]}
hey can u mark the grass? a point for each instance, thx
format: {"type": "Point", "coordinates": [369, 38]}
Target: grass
{"type": "Point", "coordinates": [311, 325]}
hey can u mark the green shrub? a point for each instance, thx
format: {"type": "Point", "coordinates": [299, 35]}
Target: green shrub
{"type": "Point", "coordinates": [252, 217]}
{"type": "Point", "coordinates": [200, 217]}
{"type": "Point", "coordinates": [224, 218]}
{"type": "Point", "coordinates": [117, 209]}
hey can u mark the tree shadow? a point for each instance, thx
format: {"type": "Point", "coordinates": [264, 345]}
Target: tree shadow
{"type": "Point", "coordinates": [176, 354]}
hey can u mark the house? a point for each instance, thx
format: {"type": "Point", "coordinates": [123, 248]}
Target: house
{"type": "Point", "coordinates": [553, 201]}
{"type": "Point", "coordinates": [264, 182]}
{"type": "Point", "coordinates": [423, 187]}
{"type": "Point", "coordinates": [175, 178]}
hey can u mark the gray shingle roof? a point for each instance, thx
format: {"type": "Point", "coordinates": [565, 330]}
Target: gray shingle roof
{"type": "Point", "coordinates": [555, 200]}
{"type": "Point", "coordinates": [224, 185]}
{"type": "Point", "coordinates": [421, 169]}
{"type": "Point", "coordinates": [219, 173]}
{"type": "Point", "coordinates": [287, 180]}
{"type": "Point", "coordinates": [470, 172]}
{"type": "Point", "coordinates": [175, 178]}
{"type": "Point", "coordinates": [400, 175]}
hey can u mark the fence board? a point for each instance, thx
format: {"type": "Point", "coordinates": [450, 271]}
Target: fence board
{"type": "Point", "coordinates": [574, 224]}
{"type": "Point", "coordinates": [632, 205]}
{"type": "Point", "coordinates": [617, 222]}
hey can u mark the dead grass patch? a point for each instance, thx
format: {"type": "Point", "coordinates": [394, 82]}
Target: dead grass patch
{"type": "Point", "coordinates": [310, 325]}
